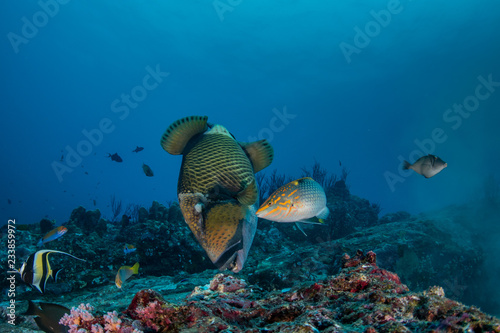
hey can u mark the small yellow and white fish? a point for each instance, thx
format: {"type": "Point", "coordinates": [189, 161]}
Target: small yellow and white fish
{"type": "Point", "coordinates": [53, 235]}
{"type": "Point", "coordinates": [302, 200]}
{"type": "Point", "coordinates": [124, 273]}
{"type": "Point", "coordinates": [427, 166]}
{"type": "Point", "coordinates": [36, 270]}
{"type": "Point", "coordinates": [129, 248]}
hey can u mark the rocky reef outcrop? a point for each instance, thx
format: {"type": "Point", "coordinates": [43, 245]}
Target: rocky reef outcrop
{"type": "Point", "coordinates": [362, 297]}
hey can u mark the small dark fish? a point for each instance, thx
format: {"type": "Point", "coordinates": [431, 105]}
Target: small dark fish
{"type": "Point", "coordinates": [36, 270]}
{"type": "Point", "coordinates": [138, 149]}
{"type": "Point", "coordinates": [62, 158]}
{"type": "Point", "coordinates": [147, 170]}
{"type": "Point", "coordinates": [86, 173]}
{"type": "Point", "coordinates": [115, 157]}
{"type": "Point", "coordinates": [48, 316]}
{"type": "Point", "coordinates": [340, 163]}
{"type": "Point", "coordinates": [426, 166]}
{"type": "Point", "coordinates": [9, 201]}
{"type": "Point", "coordinates": [94, 202]}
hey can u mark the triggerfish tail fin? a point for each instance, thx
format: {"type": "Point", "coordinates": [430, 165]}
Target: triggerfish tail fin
{"type": "Point", "coordinates": [177, 135]}
{"type": "Point", "coordinates": [260, 153]}
{"type": "Point", "coordinates": [406, 165]}
{"type": "Point", "coordinates": [249, 195]}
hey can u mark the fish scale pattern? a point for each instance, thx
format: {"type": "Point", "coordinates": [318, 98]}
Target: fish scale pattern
{"type": "Point", "coordinates": [217, 161]}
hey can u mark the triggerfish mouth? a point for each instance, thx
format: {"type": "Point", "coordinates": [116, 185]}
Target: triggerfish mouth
{"type": "Point", "coordinates": [217, 191]}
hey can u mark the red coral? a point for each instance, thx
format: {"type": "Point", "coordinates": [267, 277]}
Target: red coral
{"type": "Point", "coordinates": [151, 310]}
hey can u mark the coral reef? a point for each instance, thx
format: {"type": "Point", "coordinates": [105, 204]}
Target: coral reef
{"type": "Point", "coordinates": [361, 298]}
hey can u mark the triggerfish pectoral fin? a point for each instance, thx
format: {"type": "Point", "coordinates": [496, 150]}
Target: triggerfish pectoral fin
{"type": "Point", "coordinates": [249, 195]}
{"type": "Point", "coordinates": [260, 153]}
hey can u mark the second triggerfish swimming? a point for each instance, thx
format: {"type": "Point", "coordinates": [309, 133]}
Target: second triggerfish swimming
{"type": "Point", "coordinates": [427, 166]}
{"type": "Point", "coordinates": [53, 235]}
{"type": "Point", "coordinates": [124, 273]}
{"type": "Point", "coordinates": [302, 200]}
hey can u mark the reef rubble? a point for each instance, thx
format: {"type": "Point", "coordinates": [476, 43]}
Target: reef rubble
{"type": "Point", "coordinates": [362, 297]}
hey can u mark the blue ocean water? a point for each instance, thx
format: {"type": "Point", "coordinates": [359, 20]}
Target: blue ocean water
{"type": "Point", "coordinates": [366, 83]}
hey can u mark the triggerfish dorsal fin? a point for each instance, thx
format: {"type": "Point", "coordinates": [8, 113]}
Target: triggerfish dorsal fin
{"type": "Point", "coordinates": [249, 194]}
{"type": "Point", "coordinates": [178, 134]}
{"type": "Point", "coordinates": [260, 153]}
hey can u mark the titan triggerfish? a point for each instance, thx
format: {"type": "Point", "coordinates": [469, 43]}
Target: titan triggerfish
{"type": "Point", "coordinates": [217, 190]}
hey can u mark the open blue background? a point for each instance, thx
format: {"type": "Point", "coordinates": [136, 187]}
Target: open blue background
{"type": "Point", "coordinates": [236, 64]}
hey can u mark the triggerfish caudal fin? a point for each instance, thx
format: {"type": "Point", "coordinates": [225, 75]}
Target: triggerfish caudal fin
{"type": "Point", "coordinates": [48, 316]}
{"type": "Point", "coordinates": [36, 270]}
{"type": "Point", "coordinates": [217, 172]}
{"type": "Point", "coordinates": [124, 273]}
{"type": "Point", "coordinates": [302, 200]}
{"type": "Point", "coordinates": [52, 235]}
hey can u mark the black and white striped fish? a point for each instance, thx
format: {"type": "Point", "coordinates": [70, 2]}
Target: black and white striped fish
{"type": "Point", "coordinates": [36, 270]}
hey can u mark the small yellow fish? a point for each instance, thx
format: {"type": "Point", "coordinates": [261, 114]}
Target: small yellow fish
{"type": "Point", "coordinates": [298, 201]}
{"type": "Point", "coordinates": [124, 273]}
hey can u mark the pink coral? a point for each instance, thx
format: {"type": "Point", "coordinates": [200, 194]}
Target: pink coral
{"type": "Point", "coordinates": [78, 318]}
{"type": "Point", "coordinates": [226, 283]}
{"type": "Point", "coordinates": [81, 320]}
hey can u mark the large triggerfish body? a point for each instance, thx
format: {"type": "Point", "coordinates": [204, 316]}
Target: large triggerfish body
{"type": "Point", "coordinates": [217, 191]}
